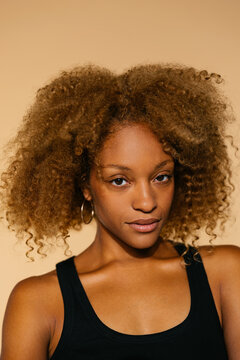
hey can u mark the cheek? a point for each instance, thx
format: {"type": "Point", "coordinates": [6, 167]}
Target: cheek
{"type": "Point", "coordinates": [171, 193]}
{"type": "Point", "coordinates": [165, 200]}
{"type": "Point", "coordinates": [169, 199]}
{"type": "Point", "coordinates": [165, 194]}
{"type": "Point", "coordinates": [108, 206]}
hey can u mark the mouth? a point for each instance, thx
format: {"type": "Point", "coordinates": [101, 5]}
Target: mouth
{"type": "Point", "coordinates": [144, 225]}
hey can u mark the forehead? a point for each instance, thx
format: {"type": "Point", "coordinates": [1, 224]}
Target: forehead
{"type": "Point", "coordinates": [132, 144]}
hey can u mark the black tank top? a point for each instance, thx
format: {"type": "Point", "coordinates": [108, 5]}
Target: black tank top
{"type": "Point", "coordinates": [86, 337]}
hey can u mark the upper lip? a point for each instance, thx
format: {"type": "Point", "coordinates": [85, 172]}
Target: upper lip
{"type": "Point", "coordinates": [144, 221]}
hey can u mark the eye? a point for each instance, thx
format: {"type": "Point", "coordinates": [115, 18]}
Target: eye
{"type": "Point", "coordinates": [159, 178]}
{"type": "Point", "coordinates": [118, 182]}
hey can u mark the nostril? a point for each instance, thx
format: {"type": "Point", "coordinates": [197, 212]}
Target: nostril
{"type": "Point", "coordinates": [145, 207]}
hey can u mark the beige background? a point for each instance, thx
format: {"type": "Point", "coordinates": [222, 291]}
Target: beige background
{"type": "Point", "coordinates": [39, 38]}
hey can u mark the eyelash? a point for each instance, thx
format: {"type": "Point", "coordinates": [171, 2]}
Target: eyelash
{"type": "Point", "coordinates": [121, 178]}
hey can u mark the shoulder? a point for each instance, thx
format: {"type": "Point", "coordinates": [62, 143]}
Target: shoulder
{"type": "Point", "coordinates": [38, 295]}
{"type": "Point", "coordinates": [29, 317]}
{"type": "Point", "coordinates": [221, 255]}
{"type": "Point", "coordinates": [35, 290]}
{"type": "Point", "coordinates": [222, 260]}
{"type": "Point", "coordinates": [225, 263]}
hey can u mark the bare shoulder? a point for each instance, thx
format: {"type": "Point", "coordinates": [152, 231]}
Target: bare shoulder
{"type": "Point", "coordinates": [227, 267]}
{"type": "Point", "coordinates": [226, 261]}
{"type": "Point", "coordinates": [35, 283]}
{"type": "Point", "coordinates": [29, 318]}
{"type": "Point", "coordinates": [37, 291]}
{"type": "Point", "coordinates": [221, 254]}
{"type": "Point", "coordinates": [231, 248]}
{"type": "Point", "coordinates": [221, 261]}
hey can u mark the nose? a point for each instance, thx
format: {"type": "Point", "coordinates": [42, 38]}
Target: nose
{"type": "Point", "coordinates": [144, 198]}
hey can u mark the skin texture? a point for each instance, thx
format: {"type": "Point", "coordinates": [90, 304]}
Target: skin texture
{"type": "Point", "coordinates": [121, 196]}
{"type": "Point", "coordinates": [142, 272]}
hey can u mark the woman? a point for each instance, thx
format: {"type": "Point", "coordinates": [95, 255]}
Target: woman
{"type": "Point", "coordinates": [144, 153]}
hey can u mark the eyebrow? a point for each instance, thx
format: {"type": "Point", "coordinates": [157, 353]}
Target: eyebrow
{"type": "Point", "coordinates": [158, 166]}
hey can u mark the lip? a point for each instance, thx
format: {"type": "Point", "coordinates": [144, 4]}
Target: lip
{"type": "Point", "coordinates": [144, 221]}
{"type": "Point", "coordinates": [144, 225]}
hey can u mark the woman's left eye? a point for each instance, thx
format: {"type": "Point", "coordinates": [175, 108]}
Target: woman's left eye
{"type": "Point", "coordinates": [118, 182]}
{"type": "Point", "coordinates": [159, 177]}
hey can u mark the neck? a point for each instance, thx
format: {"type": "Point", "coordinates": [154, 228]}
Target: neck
{"type": "Point", "coordinates": [110, 249]}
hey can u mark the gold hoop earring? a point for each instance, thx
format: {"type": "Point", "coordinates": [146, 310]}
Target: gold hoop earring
{"type": "Point", "coordinates": [82, 212]}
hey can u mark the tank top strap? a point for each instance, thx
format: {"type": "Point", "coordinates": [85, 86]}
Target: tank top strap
{"type": "Point", "coordinates": [65, 272]}
{"type": "Point", "coordinates": [191, 255]}
{"type": "Point", "coordinates": [202, 290]}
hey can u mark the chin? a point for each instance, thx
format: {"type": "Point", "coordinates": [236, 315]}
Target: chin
{"type": "Point", "coordinates": [144, 243]}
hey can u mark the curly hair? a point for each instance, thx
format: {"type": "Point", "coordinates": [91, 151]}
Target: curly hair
{"type": "Point", "coordinates": [63, 131]}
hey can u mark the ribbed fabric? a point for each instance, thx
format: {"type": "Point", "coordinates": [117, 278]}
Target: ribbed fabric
{"type": "Point", "coordinates": [86, 337]}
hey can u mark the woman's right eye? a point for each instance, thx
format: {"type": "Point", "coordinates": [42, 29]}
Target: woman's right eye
{"type": "Point", "coordinates": [118, 182]}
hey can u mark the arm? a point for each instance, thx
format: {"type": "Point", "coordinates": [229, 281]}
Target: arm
{"type": "Point", "coordinates": [26, 330]}
{"type": "Point", "coordinates": [230, 299]}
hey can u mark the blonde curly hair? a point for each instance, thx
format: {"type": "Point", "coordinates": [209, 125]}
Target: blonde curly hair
{"type": "Point", "coordinates": [64, 129]}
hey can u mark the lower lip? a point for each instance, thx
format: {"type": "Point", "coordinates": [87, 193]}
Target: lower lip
{"type": "Point", "coordinates": [144, 228]}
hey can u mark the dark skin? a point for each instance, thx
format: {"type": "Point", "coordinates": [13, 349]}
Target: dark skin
{"type": "Point", "coordinates": [127, 269]}
{"type": "Point", "coordinates": [135, 182]}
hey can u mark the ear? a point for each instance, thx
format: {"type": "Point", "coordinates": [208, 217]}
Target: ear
{"type": "Point", "coordinates": [87, 193]}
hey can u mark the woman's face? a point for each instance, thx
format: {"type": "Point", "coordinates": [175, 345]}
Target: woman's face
{"type": "Point", "coordinates": [132, 196]}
